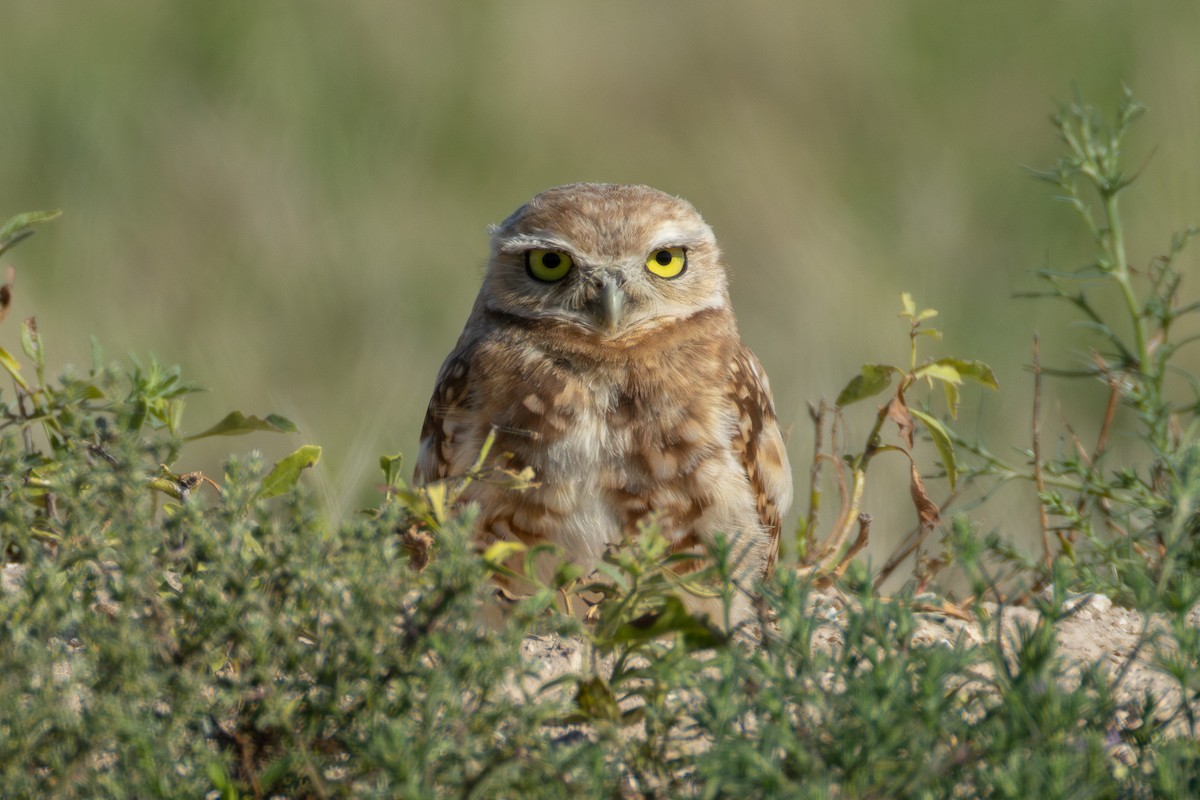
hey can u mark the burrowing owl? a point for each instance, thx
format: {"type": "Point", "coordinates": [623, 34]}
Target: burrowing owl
{"type": "Point", "coordinates": [603, 350]}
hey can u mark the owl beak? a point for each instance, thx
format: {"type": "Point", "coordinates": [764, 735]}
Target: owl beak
{"type": "Point", "coordinates": [608, 304]}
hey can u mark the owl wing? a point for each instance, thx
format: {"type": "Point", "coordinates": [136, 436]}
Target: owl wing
{"type": "Point", "coordinates": [759, 446]}
{"type": "Point", "coordinates": [446, 419]}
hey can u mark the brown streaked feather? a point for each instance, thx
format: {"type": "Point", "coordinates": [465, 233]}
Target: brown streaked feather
{"type": "Point", "coordinates": [450, 394]}
{"type": "Point", "coordinates": [759, 445]}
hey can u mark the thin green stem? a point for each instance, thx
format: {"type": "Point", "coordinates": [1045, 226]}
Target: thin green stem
{"type": "Point", "coordinates": [912, 346]}
{"type": "Point", "coordinates": [1116, 246]}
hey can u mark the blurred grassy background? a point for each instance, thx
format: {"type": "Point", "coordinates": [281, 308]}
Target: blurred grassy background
{"type": "Point", "coordinates": [291, 199]}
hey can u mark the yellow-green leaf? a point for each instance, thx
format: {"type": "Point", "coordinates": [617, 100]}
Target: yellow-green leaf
{"type": "Point", "coordinates": [391, 466]}
{"type": "Point", "coordinates": [951, 398]}
{"type": "Point", "coordinates": [910, 306]}
{"type": "Point", "coordinates": [943, 372]}
{"type": "Point", "coordinates": [502, 551]}
{"type": "Point", "coordinates": [237, 423]}
{"type": "Point", "coordinates": [167, 486]}
{"type": "Point", "coordinates": [873, 379]}
{"type": "Point", "coordinates": [217, 659]}
{"type": "Point", "coordinates": [941, 440]}
{"type": "Point", "coordinates": [673, 618]}
{"type": "Point", "coordinates": [286, 472]}
{"type": "Point", "coordinates": [18, 227]}
{"type": "Point", "coordinates": [31, 343]}
{"type": "Point", "coordinates": [436, 494]}
{"type": "Point", "coordinates": [976, 371]}
{"type": "Point", "coordinates": [12, 367]}
{"type": "Point", "coordinates": [252, 544]}
{"type": "Point", "coordinates": [596, 699]}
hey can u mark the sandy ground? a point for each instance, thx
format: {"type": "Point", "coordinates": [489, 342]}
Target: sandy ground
{"type": "Point", "coordinates": [1120, 640]}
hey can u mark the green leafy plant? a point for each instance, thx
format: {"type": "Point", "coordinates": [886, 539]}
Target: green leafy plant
{"type": "Point", "coordinates": [86, 412]}
{"type": "Point", "coordinates": [1130, 527]}
{"type": "Point", "coordinates": [830, 557]}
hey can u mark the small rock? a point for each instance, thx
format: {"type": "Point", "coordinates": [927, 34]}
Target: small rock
{"type": "Point", "coordinates": [12, 577]}
{"type": "Point", "coordinates": [1096, 604]}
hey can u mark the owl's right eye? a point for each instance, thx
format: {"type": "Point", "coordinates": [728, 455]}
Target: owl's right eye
{"type": "Point", "coordinates": [547, 265]}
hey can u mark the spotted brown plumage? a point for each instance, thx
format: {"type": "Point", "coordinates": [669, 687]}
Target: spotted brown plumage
{"type": "Point", "coordinates": [622, 383]}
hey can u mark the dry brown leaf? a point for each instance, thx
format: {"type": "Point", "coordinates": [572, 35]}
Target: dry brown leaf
{"type": "Point", "coordinates": [927, 510]}
{"type": "Point", "coordinates": [419, 545]}
{"type": "Point", "coordinates": [897, 412]}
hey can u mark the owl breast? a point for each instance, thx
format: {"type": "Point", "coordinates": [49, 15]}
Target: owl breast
{"type": "Point", "coordinates": [615, 437]}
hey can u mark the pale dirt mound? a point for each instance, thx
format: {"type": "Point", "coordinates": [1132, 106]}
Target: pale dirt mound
{"type": "Point", "coordinates": [1120, 640]}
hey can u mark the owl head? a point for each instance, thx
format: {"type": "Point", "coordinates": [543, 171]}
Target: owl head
{"type": "Point", "coordinates": [608, 259]}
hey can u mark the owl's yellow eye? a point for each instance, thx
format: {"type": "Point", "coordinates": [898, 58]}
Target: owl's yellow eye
{"type": "Point", "coordinates": [548, 265]}
{"type": "Point", "coordinates": [669, 262]}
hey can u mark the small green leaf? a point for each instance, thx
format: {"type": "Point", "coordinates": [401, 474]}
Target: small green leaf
{"type": "Point", "coordinates": [18, 227]}
{"type": "Point", "coordinates": [973, 370]}
{"type": "Point", "coordinates": [167, 486]}
{"type": "Point", "coordinates": [172, 414]}
{"type": "Point", "coordinates": [603, 588]}
{"type": "Point", "coordinates": [596, 699]}
{"type": "Point", "coordinates": [236, 423]}
{"type": "Point", "coordinates": [437, 498]}
{"type": "Point", "coordinates": [943, 372]}
{"type": "Point", "coordinates": [951, 398]}
{"type": "Point", "coordinates": [672, 618]}
{"type": "Point", "coordinates": [613, 573]}
{"type": "Point", "coordinates": [252, 544]}
{"type": "Point", "coordinates": [13, 368]}
{"type": "Point", "coordinates": [928, 313]}
{"type": "Point", "coordinates": [941, 440]}
{"type": "Point", "coordinates": [391, 467]}
{"type": "Point", "coordinates": [502, 551]}
{"type": "Point", "coordinates": [97, 356]}
{"type": "Point", "coordinates": [873, 379]}
{"type": "Point", "coordinates": [910, 307]}
{"type": "Point", "coordinates": [281, 423]}
{"type": "Point", "coordinates": [566, 573]}
{"type": "Point", "coordinates": [31, 343]}
{"type": "Point", "coordinates": [217, 659]}
{"type": "Point", "coordinates": [286, 472]}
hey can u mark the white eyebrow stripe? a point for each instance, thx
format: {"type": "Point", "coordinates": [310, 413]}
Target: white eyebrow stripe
{"type": "Point", "coordinates": [671, 234]}
{"type": "Point", "coordinates": [525, 241]}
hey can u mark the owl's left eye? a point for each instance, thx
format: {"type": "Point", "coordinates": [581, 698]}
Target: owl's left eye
{"type": "Point", "coordinates": [547, 265]}
{"type": "Point", "coordinates": [669, 262]}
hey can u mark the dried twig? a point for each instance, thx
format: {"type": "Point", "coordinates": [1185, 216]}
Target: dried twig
{"type": "Point", "coordinates": [1038, 479]}
{"type": "Point", "coordinates": [860, 541]}
{"type": "Point", "coordinates": [817, 414]}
